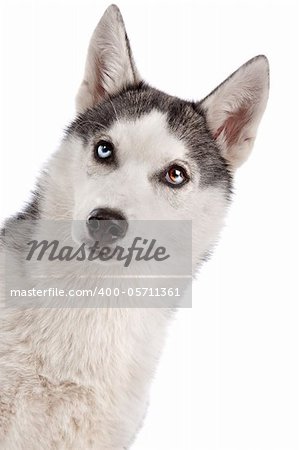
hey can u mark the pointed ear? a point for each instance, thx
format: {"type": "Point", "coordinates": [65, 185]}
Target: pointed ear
{"type": "Point", "coordinates": [109, 66]}
{"type": "Point", "coordinates": [234, 109]}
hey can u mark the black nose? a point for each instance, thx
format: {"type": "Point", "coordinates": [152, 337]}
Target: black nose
{"type": "Point", "coordinates": [106, 225]}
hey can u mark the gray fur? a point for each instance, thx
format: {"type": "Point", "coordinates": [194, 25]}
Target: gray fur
{"type": "Point", "coordinates": [186, 119]}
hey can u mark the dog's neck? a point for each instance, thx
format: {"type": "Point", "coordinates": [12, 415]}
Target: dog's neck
{"type": "Point", "coordinates": [73, 343]}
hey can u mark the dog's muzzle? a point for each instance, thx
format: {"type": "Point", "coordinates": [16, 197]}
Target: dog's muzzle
{"type": "Point", "coordinates": [106, 225]}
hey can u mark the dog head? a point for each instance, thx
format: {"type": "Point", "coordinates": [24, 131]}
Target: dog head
{"type": "Point", "coordinates": [135, 153]}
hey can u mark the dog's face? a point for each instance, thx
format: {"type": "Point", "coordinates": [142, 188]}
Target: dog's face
{"type": "Point", "coordinates": [136, 153]}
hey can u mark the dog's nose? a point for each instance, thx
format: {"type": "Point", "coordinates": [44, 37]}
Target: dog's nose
{"type": "Point", "coordinates": [106, 225]}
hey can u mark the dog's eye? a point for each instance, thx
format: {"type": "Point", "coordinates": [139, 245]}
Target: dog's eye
{"type": "Point", "coordinates": [103, 150]}
{"type": "Point", "coordinates": [176, 176]}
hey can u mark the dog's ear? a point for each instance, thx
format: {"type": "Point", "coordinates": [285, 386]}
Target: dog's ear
{"type": "Point", "coordinates": [109, 66]}
{"type": "Point", "coordinates": [234, 109]}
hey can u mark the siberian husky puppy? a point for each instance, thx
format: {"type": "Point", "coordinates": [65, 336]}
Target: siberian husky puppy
{"type": "Point", "coordinates": [79, 378]}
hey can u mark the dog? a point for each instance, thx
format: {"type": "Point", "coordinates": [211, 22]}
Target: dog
{"type": "Point", "coordinates": [79, 377]}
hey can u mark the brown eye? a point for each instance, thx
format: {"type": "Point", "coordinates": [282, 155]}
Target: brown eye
{"type": "Point", "coordinates": [176, 176]}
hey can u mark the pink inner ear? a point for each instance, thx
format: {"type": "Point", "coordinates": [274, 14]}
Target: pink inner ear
{"type": "Point", "coordinates": [96, 84]}
{"type": "Point", "coordinates": [234, 124]}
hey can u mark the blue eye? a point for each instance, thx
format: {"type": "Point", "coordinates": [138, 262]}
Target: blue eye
{"type": "Point", "coordinates": [104, 150]}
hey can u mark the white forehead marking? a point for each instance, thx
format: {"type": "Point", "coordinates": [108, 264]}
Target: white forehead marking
{"type": "Point", "coordinates": [147, 138]}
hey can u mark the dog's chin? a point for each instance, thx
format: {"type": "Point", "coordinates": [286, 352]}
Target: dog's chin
{"type": "Point", "coordinates": [101, 253]}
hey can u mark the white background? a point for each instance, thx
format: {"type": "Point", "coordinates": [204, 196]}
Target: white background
{"type": "Point", "coordinates": [228, 378]}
